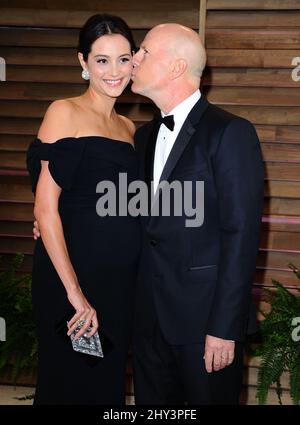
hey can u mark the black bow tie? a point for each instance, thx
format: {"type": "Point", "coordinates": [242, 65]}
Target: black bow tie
{"type": "Point", "coordinates": [168, 120]}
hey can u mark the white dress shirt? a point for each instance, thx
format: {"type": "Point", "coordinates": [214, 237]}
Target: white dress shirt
{"type": "Point", "coordinates": [166, 138]}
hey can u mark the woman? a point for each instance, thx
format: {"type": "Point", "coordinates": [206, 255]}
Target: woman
{"type": "Point", "coordinates": [82, 260]}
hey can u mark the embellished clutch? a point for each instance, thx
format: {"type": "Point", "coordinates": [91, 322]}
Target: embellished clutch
{"type": "Point", "coordinates": [90, 349]}
{"type": "Point", "coordinates": [87, 345]}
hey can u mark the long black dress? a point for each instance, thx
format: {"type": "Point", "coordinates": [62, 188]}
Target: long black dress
{"type": "Point", "coordinates": [104, 252]}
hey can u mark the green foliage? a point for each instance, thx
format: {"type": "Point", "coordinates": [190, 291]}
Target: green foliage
{"type": "Point", "coordinates": [279, 349]}
{"type": "Point", "coordinates": [20, 347]}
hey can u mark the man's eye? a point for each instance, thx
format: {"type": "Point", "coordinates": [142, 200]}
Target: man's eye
{"type": "Point", "coordinates": [123, 60]}
{"type": "Point", "coordinates": [101, 61]}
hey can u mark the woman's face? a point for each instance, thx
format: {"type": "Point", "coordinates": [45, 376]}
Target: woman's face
{"type": "Point", "coordinates": [109, 64]}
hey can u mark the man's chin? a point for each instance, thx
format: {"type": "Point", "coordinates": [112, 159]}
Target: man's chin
{"type": "Point", "coordinates": [135, 87]}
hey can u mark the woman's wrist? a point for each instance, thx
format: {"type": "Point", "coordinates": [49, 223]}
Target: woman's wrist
{"type": "Point", "coordinates": [73, 288]}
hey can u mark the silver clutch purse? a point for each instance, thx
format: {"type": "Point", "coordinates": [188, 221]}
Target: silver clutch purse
{"type": "Point", "coordinates": [85, 344]}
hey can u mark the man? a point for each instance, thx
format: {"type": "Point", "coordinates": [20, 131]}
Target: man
{"type": "Point", "coordinates": [193, 300]}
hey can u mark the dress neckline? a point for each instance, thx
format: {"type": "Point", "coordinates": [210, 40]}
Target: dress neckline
{"type": "Point", "coordinates": [89, 137]}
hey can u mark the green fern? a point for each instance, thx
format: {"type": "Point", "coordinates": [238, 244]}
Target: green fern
{"type": "Point", "coordinates": [278, 350]}
{"type": "Point", "coordinates": [271, 369]}
{"type": "Point", "coordinates": [295, 378]}
{"type": "Point", "coordinates": [20, 347]}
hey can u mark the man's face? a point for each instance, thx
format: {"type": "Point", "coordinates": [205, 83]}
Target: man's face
{"type": "Point", "coordinates": [151, 66]}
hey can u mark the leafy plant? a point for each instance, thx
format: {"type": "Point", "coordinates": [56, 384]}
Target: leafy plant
{"type": "Point", "coordinates": [20, 347]}
{"type": "Point", "coordinates": [280, 345]}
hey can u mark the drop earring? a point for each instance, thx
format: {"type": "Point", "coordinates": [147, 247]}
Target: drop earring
{"type": "Point", "coordinates": [85, 74]}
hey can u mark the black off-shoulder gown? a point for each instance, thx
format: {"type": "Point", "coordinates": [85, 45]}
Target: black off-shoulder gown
{"type": "Point", "coordinates": [104, 252]}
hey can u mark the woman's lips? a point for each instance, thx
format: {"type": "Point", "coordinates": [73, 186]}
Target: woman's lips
{"type": "Point", "coordinates": [113, 83]}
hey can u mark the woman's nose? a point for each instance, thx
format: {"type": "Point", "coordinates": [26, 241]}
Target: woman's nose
{"type": "Point", "coordinates": [114, 70]}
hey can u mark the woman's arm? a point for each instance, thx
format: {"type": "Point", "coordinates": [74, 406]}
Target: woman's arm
{"type": "Point", "coordinates": [50, 225]}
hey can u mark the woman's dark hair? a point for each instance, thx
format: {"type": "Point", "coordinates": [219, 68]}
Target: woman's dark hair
{"type": "Point", "coordinates": [102, 24]}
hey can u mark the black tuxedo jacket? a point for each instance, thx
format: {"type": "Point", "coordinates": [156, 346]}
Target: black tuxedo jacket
{"type": "Point", "coordinates": [197, 280]}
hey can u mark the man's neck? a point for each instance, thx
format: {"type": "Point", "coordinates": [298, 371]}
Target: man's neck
{"type": "Point", "coordinates": [168, 101]}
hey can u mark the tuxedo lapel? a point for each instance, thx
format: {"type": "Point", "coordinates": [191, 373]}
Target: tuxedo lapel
{"type": "Point", "coordinates": [181, 142]}
{"type": "Point", "coordinates": [149, 159]}
{"type": "Point", "coordinates": [184, 136]}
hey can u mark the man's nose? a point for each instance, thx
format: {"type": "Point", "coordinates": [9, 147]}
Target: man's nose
{"type": "Point", "coordinates": [136, 58]}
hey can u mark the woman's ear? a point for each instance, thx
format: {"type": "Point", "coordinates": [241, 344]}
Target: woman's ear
{"type": "Point", "coordinates": [81, 60]}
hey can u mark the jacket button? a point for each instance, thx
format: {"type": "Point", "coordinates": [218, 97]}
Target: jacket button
{"type": "Point", "coordinates": [153, 242]}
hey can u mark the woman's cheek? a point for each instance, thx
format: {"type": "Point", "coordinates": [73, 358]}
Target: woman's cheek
{"type": "Point", "coordinates": [129, 70]}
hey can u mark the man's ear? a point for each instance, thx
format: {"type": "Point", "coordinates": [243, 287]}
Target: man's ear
{"type": "Point", "coordinates": [178, 68]}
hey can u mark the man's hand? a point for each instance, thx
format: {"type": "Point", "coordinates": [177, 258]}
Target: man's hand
{"type": "Point", "coordinates": [36, 230]}
{"type": "Point", "coordinates": [218, 354]}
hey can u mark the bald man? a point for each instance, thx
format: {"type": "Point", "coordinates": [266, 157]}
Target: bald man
{"type": "Point", "coordinates": [193, 300]}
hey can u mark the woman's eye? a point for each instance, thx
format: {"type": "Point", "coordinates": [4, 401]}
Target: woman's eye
{"type": "Point", "coordinates": [103, 61]}
{"type": "Point", "coordinates": [124, 60]}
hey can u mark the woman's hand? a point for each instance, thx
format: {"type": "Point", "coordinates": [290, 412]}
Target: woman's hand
{"type": "Point", "coordinates": [36, 230]}
{"type": "Point", "coordinates": [84, 311]}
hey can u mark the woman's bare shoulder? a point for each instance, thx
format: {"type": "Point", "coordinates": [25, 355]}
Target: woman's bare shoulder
{"type": "Point", "coordinates": [58, 121]}
{"type": "Point", "coordinates": [129, 124]}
